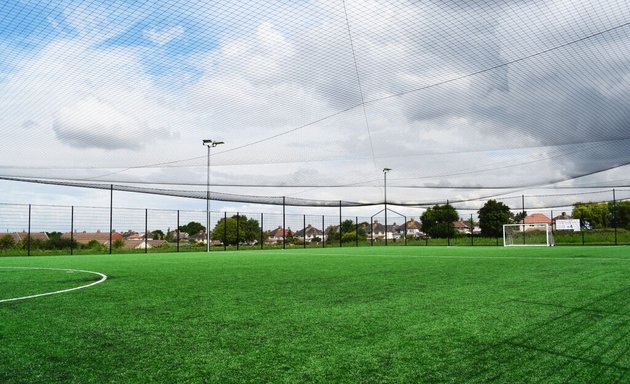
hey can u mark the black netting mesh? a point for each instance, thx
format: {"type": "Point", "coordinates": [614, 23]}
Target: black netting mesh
{"type": "Point", "coordinates": [314, 99]}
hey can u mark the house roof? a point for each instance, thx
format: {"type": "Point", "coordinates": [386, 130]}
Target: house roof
{"type": "Point", "coordinates": [460, 224]}
{"type": "Point", "coordinates": [378, 227]}
{"type": "Point", "coordinates": [536, 218]}
{"type": "Point", "coordinates": [310, 231]}
{"type": "Point", "coordinates": [132, 244]}
{"type": "Point", "coordinates": [17, 236]}
{"type": "Point", "coordinates": [135, 236]}
{"type": "Point", "coordinates": [413, 224]}
{"type": "Point", "coordinates": [86, 237]}
{"type": "Point", "coordinates": [278, 232]}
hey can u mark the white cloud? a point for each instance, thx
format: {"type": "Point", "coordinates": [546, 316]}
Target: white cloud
{"type": "Point", "coordinates": [164, 36]}
{"type": "Point", "coordinates": [278, 73]}
{"type": "Point", "coordinates": [92, 123]}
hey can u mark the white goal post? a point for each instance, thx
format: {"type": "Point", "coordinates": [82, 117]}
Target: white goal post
{"type": "Point", "coordinates": [533, 234]}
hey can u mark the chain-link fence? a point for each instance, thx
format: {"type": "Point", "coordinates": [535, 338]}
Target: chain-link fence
{"type": "Point", "coordinates": [29, 229]}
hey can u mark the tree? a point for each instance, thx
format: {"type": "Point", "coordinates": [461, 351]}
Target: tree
{"type": "Point", "coordinates": [170, 237]}
{"type": "Point", "coordinates": [54, 235]}
{"type": "Point", "coordinates": [96, 246]}
{"type": "Point", "coordinates": [349, 237]}
{"type": "Point", "coordinates": [226, 231]}
{"type": "Point", "coordinates": [623, 214]}
{"type": "Point", "coordinates": [437, 221]}
{"type": "Point", "coordinates": [157, 234]}
{"type": "Point", "coordinates": [597, 215]}
{"type": "Point", "coordinates": [519, 217]}
{"type": "Point", "coordinates": [58, 242]}
{"type": "Point", "coordinates": [118, 243]}
{"type": "Point", "coordinates": [6, 242]}
{"type": "Point", "coordinates": [492, 216]}
{"type": "Point", "coordinates": [332, 234]}
{"type": "Point", "coordinates": [192, 228]}
{"type": "Point", "coordinates": [347, 226]}
{"type": "Point", "coordinates": [289, 236]}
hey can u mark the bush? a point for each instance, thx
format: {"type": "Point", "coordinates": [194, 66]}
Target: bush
{"type": "Point", "coordinates": [7, 242]}
{"type": "Point", "coordinates": [349, 237]}
{"type": "Point", "coordinates": [96, 246]}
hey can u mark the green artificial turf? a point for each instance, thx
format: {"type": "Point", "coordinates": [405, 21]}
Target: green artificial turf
{"type": "Point", "coordinates": [352, 315]}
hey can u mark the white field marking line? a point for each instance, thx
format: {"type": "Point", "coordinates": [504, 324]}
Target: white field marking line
{"type": "Point", "coordinates": [103, 278]}
{"type": "Point", "coordinates": [456, 257]}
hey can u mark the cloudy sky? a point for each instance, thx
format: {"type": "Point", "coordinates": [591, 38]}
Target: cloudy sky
{"type": "Point", "coordinates": [462, 99]}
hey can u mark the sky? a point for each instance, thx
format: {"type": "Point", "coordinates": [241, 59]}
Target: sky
{"type": "Point", "coordinates": [463, 100]}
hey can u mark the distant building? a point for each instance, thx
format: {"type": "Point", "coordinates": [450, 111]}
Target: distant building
{"type": "Point", "coordinates": [309, 233]}
{"type": "Point", "coordinates": [276, 235]}
{"type": "Point", "coordinates": [536, 218]}
{"type": "Point", "coordinates": [376, 231]}
{"type": "Point", "coordinates": [414, 229]}
{"type": "Point", "coordinates": [86, 237]}
{"type": "Point", "coordinates": [535, 221]}
{"type": "Point", "coordinates": [462, 227]}
{"type": "Point", "coordinates": [182, 235]}
{"type": "Point", "coordinates": [140, 244]}
{"type": "Point", "coordinates": [19, 236]}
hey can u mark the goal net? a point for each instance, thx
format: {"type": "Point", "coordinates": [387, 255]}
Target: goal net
{"type": "Point", "coordinates": [527, 235]}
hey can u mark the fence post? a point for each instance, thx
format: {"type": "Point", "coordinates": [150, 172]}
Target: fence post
{"type": "Point", "coordinates": [371, 231]}
{"type": "Point", "coordinates": [304, 231]}
{"type": "Point", "coordinates": [111, 215]}
{"type": "Point", "coordinates": [323, 233]}
{"type": "Point", "coordinates": [405, 218]}
{"type": "Point", "coordinates": [356, 230]}
{"type": "Point", "coordinates": [284, 225]}
{"type": "Point", "coordinates": [261, 230]}
{"type": "Point", "coordinates": [72, 230]}
{"type": "Point", "coordinates": [28, 241]}
{"type": "Point", "coordinates": [523, 213]}
{"type": "Point", "coordinates": [225, 231]}
{"type": "Point", "coordinates": [340, 232]}
{"type": "Point", "coordinates": [615, 214]}
{"type": "Point", "coordinates": [146, 229]}
{"type": "Point", "coordinates": [553, 222]}
{"type": "Point", "coordinates": [472, 227]}
{"type": "Point", "coordinates": [177, 230]}
{"type": "Point", "coordinates": [238, 232]}
{"type": "Point", "coordinates": [448, 234]}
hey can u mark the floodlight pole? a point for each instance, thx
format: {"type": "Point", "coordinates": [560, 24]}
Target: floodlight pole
{"type": "Point", "coordinates": [210, 144]}
{"type": "Point", "coordinates": [385, 170]}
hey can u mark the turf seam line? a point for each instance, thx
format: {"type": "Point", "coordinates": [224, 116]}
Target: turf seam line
{"type": "Point", "coordinates": [454, 256]}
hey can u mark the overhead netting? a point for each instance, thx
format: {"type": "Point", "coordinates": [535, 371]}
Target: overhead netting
{"type": "Point", "coordinates": [463, 100]}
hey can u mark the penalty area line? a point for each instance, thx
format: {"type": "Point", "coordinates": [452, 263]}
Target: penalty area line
{"type": "Point", "coordinates": [102, 279]}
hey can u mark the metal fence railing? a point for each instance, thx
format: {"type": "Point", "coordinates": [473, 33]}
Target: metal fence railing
{"type": "Point", "coordinates": [29, 229]}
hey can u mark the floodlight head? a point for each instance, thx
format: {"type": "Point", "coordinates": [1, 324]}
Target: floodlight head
{"type": "Point", "coordinates": [211, 143]}
{"type": "Point", "coordinates": [386, 170]}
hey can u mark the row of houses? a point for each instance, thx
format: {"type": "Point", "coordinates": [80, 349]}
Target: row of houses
{"type": "Point", "coordinates": [377, 231]}
{"type": "Point", "coordinates": [412, 229]}
{"type": "Point", "coordinates": [132, 240]}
